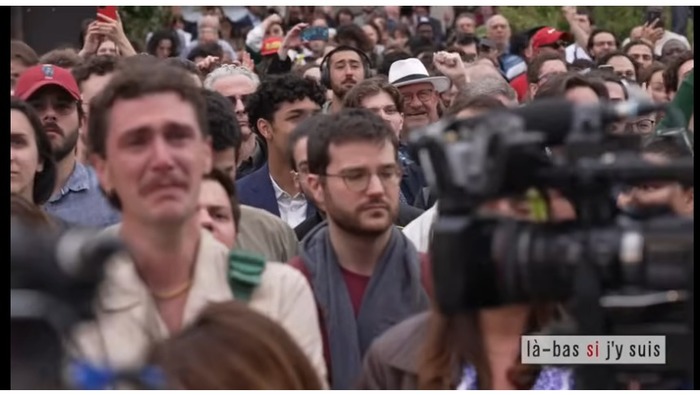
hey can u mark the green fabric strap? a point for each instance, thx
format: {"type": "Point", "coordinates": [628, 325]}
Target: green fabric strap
{"type": "Point", "coordinates": [244, 272]}
{"type": "Point", "coordinates": [683, 102]}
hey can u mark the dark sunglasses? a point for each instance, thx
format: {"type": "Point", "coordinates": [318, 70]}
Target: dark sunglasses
{"type": "Point", "coordinates": [556, 45]}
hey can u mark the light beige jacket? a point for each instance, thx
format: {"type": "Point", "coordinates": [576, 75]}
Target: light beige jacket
{"type": "Point", "coordinates": [128, 323]}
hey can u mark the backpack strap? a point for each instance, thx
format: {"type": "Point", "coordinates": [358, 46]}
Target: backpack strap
{"type": "Point", "coordinates": [244, 272]}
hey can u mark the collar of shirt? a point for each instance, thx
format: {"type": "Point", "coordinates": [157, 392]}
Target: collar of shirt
{"type": "Point", "coordinates": [326, 109]}
{"type": "Point", "coordinates": [281, 194]}
{"type": "Point", "coordinates": [79, 180]}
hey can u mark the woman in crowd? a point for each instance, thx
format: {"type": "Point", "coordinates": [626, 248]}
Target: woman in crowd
{"type": "Point", "coordinates": [374, 34]}
{"type": "Point", "coordinates": [477, 349]}
{"type": "Point", "coordinates": [474, 349]}
{"type": "Point", "coordinates": [652, 81]}
{"type": "Point", "coordinates": [29, 213]}
{"type": "Point", "coordinates": [32, 168]}
{"type": "Point", "coordinates": [163, 44]}
{"type": "Point", "coordinates": [232, 347]}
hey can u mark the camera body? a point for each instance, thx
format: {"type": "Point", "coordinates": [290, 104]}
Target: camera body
{"type": "Point", "coordinates": [615, 275]}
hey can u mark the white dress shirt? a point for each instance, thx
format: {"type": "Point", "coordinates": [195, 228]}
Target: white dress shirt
{"type": "Point", "coordinates": [292, 208]}
{"type": "Point", "coordinates": [419, 231]}
{"type": "Point", "coordinates": [574, 52]}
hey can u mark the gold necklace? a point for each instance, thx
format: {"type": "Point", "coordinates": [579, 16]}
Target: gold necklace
{"type": "Point", "coordinates": [174, 293]}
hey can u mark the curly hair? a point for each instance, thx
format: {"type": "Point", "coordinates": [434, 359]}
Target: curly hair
{"type": "Point", "coordinates": [276, 90]}
{"type": "Point", "coordinates": [223, 127]}
{"type": "Point", "coordinates": [161, 35]}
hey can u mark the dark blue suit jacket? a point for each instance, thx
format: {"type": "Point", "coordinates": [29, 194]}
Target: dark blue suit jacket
{"type": "Point", "coordinates": [256, 190]}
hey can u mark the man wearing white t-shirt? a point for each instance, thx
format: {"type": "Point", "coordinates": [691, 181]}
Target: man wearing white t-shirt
{"type": "Point", "coordinates": [580, 25]}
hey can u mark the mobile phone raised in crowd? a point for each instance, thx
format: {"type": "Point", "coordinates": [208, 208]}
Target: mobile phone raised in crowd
{"type": "Point", "coordinates": [314, 33]}
{"type": "Point", "coordinates": [107, 11]}
{"type": "Point", "coordinates": [653, 13]}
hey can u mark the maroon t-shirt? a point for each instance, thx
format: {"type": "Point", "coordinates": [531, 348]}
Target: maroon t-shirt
{"type": "Point", "coordinates": [356, 284]}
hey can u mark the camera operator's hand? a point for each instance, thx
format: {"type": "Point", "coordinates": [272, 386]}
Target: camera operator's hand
{"type": "Point", "coordinates": [451, 65]}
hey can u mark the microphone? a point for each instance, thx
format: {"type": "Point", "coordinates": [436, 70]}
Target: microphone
{"type": "Point", "coordinates": [58, 263]}
{"type": "Point", "coordinates": [555, 118]}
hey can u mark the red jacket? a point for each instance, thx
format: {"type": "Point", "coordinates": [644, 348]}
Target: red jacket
{"type": "Point", "coordinates": [520, 85]}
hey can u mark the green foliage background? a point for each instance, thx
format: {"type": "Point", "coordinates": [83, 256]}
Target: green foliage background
{"type": "Point", "coordinates": [619, 20]}
{"type": "Point", "coordinates": [139, 20]}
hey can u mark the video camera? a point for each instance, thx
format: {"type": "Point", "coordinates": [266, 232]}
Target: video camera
{"type": "Point", "coordinates": [54, 278]}
{"type": "Point", "coordinates": [616, 276]}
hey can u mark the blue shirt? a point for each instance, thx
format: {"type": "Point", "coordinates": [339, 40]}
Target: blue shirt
{"type": "Point", "coordinates": [81, 201]}
{"type": "Point", "coordinates": [512, 65]}
{"type": "Point", "coordinates": [412, 181]}
{"type": "Point", "coordinates": [550, 378]}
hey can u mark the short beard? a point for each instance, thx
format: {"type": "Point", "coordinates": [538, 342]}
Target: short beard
{"type": "Point", "coordinates": [339, 91]}
{"type": "Point", "coordinates": [68, 146]}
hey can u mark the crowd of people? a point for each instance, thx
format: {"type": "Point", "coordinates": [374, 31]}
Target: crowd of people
{"type": "Point", "coordinates": [277, 223]}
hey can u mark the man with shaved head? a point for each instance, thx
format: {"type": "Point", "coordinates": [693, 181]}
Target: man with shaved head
{"type": "Point", "coordinates": [499, 33]}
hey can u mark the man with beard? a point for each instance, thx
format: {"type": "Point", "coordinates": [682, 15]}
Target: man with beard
{"type": "Point", "coordinates": [77, 198]}
{"type": "Point", "coordinates": [237, 83]}
{"type": "Point", "coordinates": [298, 155]}
{"type": "Point", "coordinates": [149, 141]}
{"type": "Point", "coordinates": [365, 274]}
{"type": "Point", "coordinates": [341, 69]}
{"type": "Point", "coordinates": [275, 109]}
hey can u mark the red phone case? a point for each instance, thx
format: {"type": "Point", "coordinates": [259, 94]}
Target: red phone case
{"type": "Point", "coordinates": [108, 11]}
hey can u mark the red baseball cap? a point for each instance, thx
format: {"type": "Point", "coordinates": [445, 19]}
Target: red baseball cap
{"type": "Point", "coordinates": [42, 75]}
{"type": "Point", "coordinates": [549, 35]}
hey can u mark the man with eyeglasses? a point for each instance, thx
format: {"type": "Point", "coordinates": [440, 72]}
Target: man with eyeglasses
{"type": "Point", "coordinates": [54, 94]}
{"type": "Point", "coordinates": [237, 83]}
{"type": "Point", "coordinates": [420, 96]}
{"type": "Point", "coordinates": [365, 274]}
{"type": "Point", "coordinates": [419, 92]}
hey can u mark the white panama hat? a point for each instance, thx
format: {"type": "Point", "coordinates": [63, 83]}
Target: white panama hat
{"type": "Point", "coordinates": [412, 71]}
